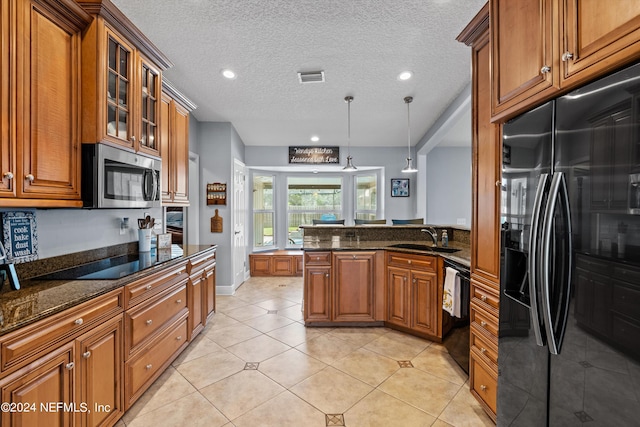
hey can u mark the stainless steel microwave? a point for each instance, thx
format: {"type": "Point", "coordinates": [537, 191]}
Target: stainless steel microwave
{"type": "Point", "coordinates": [117, 178]}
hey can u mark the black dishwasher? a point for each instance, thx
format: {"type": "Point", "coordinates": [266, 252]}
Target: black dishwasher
{"type": "Point", "coordinates": [457, 340]}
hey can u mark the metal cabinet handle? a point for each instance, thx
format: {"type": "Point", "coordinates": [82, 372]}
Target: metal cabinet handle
{"type": "Point", "coordinates": [79, 321]}
{"type": "Point", "coordinates": [567, 56]}
{"type": "Point", "coordinates": [149, 366]}
{"type": "Point", "coordinates": [498, 183]}
{"type": "Point", "coordinates": [149, 322]}
{"type": "Point", "coordinates": [179, 337]}
{"type": "Point", "coordinates": [483, 323]}
{"type": "Point", "coordinates": [408, 261]}
{"type": "Point", "coordinates": [483, 387]}
{"type": "Point", "coordinates": [70, 365]}
{"type": "Point", "coordinates": [326, 275]}
{"type": "Point", "coordinates": [30, 177]}
{"type": "Point", "coordinates": [483, 350]}
{"type": "Point", "coordinates": [133, 138]}
{"type": "Point", "coordinates": [546, 69]}
{"type": "Point", "coordinates": [178, 301]}
{"type": "Point", "coordinates": [483, 298]}
{"type": "Point", "coordinates": [354, 257]}
{"type": "Point", "coordinates": [86, 354]}
{"type": "Point", "coordinates": [148, 287]}
{"type": "Point", "coordinates": [8, 175]}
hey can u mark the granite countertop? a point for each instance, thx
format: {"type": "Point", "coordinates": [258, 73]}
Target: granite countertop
{"type": "Point", "coordinates": [38, 299]}
{"type": "Point", "coordinates": [462, 257]}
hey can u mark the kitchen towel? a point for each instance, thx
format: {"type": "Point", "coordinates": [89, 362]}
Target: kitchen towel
{"type": "Point", "coordinates": [451, 294]}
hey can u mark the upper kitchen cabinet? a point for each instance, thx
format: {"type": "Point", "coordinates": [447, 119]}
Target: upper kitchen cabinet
{"type": "Point", "coordinates": [174, 145]}
{"type": "Point", "coordinates": [542, 48]}
{"type": "Point", "coordinates": [121, 82]}
{"type": "Point", "coordinates": [40, 102]}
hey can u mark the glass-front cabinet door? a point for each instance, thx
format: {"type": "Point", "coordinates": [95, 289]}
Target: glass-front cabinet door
{"type": "Point", "coordinates": [150, 87]}
{"type": "Point", "coordinates": [119, 88]}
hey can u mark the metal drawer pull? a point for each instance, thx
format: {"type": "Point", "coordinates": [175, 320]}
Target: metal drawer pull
{"type": "Point", "coordinates": [409, 261]}
{"type": "Point", "coordinates": [483, 323]}
{"type": "Point", "coordinates": [483, 350]}
{"type": "Point", "coordinates": [148, 287]}
{"type": "Point", "coordinates": [69, 365]}
{"type": "Point", "coordinates": [79, 321]}
{"type": "Point", "coordinates": [179, 337]}
{"type": "Point", "coordinates": [30, 177]}
{"type": "Point", "coordinates": [86, 354]}
{"type": "Point", "coordinates": [483, 387]}
{"type": "Point", "coordinates": [149, 322]}
{"type": "Point", "coordinates": [149, 366]}
{"type": "Point", "coordinates": [178, 301]}
{"type": "Point", "coordinates": [483, 298]}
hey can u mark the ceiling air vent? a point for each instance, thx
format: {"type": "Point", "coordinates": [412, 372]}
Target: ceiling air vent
{"type": "Point", "coordinates": [311, 77]}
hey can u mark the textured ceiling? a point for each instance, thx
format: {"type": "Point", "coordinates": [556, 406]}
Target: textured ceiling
{"type": "Point", "coordinates": [361, 45]}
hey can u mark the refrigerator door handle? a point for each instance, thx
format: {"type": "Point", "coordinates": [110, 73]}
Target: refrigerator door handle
{"type": "Point", "coordinates": [533, 261]}
{"type": "Point", "coordinates": [558, 190]}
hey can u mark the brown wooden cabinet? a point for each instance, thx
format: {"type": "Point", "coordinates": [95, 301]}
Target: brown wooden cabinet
{"type": "Point", "coordinates": [201, 290]}
{"type": "Point", "coordinates": [353, 286]}
{"type": "Point", "coordinates": [121, 81]}
{"type": "Point", "coordinates": [276, 263]}
{"type": "Point", "coordinates": [317, 287]}
{"type": "Point", "coordinates": [99, 374]}
{"type": "Point", "coordinates": [541, 48]}
{"type": "Point", "coordinates": [413, 293]}
{"type": "Point", "coordinates": [174, 146]}
{"type": "Point", "coordinates": [39, 98]}
{"type": "Point", "coordinates": [48, 380]}
{"type": "Point", "coordinates": [486, 175]}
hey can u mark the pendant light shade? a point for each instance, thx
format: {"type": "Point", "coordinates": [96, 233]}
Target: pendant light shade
{"type": "Point", "coordinates": [349, 167]}
{"type": "Point", "coordinates": [409, 167]}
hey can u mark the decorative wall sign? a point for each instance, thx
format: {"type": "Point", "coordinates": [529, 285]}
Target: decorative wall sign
{"type": "Point", "coordinates": [314, 155]}
{"type": "Point", "coordinates": [20, 236]}
{"type": "Point", "coordinates": [399, 187]}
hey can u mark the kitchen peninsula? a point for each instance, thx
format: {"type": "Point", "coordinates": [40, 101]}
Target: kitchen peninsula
{"type": "Point", "coordinates": [374, 274]}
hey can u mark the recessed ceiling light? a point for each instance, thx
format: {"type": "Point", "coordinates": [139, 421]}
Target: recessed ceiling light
{"type": "Point", "coordinates": [405, 75]}
{"type": "Point", "coordinates": [229, 74]}
{"type": "Point", "coordinates": [315, 138]}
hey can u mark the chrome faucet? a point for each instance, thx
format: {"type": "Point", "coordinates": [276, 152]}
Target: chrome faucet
{"type": "Point", "coordinates": [433, 233]}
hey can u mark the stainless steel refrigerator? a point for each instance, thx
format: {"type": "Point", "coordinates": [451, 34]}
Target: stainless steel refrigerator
{"type": "Point", "coordinates": [569, 336]}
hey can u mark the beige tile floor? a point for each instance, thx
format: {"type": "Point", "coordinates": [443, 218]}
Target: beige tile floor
{"type": "Point", "coordinates": [255, 364]}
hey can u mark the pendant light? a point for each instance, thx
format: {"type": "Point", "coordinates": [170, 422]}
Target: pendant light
{"type": "Point", "coordinates": [409, 168]}
{"type": "Point", "coordinates": [349, 167]}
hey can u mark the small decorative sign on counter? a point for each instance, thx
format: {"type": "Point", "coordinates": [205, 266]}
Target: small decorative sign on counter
{"type": "Point", "coordinates": [20, 236]}
{"type": "Point", "coordinates": [164, 241]}
{"type": "Point", "coordinates": [314, 155]}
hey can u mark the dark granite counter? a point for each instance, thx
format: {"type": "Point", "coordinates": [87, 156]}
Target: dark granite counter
{"type": "Point", "coordinates": [38, 299]}
{"type": "Point", "coordinates": [463, 256]}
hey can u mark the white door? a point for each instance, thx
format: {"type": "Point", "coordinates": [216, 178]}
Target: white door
{"type": "Point", "coordinates": [239, 217]}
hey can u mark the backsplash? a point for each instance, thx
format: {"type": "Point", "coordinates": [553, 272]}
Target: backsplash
{"type": "Point", "coordinates": [384, 232]}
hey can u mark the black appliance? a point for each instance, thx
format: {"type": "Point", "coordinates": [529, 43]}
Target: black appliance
{"type": "Point", "coordinates": [457, 340]}
{"type": "Point", "coordinates": [569, 346]}
{"type": "Point", "coordinates": [116, 178]}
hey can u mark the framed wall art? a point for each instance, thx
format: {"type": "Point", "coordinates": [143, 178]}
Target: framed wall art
{"type": "Point", "coordinates": [399, 187]}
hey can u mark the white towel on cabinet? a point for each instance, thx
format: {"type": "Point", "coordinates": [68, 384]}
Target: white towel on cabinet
{"type": "Point", "coordinates": [451, 294]}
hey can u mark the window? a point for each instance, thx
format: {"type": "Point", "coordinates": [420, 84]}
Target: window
{"type": "Point", "coordinates": [366, 196]}
{"type": "Point", "coordinates": [263, 212]}
{"type": "Point", "coordinates": [310, 198]}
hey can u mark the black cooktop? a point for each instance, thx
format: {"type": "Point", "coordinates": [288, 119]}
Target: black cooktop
{"type": "Point", "coordinates": [114, 267]}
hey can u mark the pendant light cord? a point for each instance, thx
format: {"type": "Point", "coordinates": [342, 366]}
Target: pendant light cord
{"type": "Point", "coordinates": [408, 100]}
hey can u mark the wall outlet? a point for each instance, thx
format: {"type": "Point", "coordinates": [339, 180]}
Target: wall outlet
{"type": "Point", "coordinates": [461, 221]}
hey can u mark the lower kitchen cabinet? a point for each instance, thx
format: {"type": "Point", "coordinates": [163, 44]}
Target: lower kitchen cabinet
{"type": "Point", "coordinates": [413, 294]}
{"type": "Point", "coordinates": [99, 374]}
{"type": "Point", "coordinates": [353, 286]}
{"type": "Point", "coordinates": [46, 381]}
{"type": "Point", "coordinates": [317, 291]}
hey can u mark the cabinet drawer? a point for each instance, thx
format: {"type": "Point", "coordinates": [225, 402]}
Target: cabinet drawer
{"type": "Point", "coordinates": [626, 299]}
{"type": "Point", "coordinates": [626, 331]}
{"type": "Point", "coordinates": [198, 263]}
{"type": "Point", "coordinates": [142, 289]}
{"type": "Point", "coordinates": [24, 344]}
{"type": "Point", "coordinates": [144, 367]}
{"type": "Point", "coordinates": [592, 264]}
{"type": "Point", "coordinates": [484, 346]}
{"type": "Point", "coordinates": [483, 382]}
{"type": "Point", "coordinates": [414, 262]}
{"type": "Point", "coordinates": [483, 320]}
{"type": "Point", "coordinates": [626, 274]}
{"type": "Point", "coordinates": [482, 296]}
{"type": "Point", "coordinates": [317, 258]}
{"type": "Point", "coordinates": [143, 321]}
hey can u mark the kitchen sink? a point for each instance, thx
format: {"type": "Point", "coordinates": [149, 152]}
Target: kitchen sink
{"type": "Point", "coordinates": [419, 247]}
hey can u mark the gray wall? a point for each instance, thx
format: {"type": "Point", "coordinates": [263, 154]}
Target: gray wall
{"type": "Point", "coordinates": [449, 185]}
{"type": "Point", "coordinates": [218, 144]}
{"type": "Point", "coordinates": [391, 159]}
